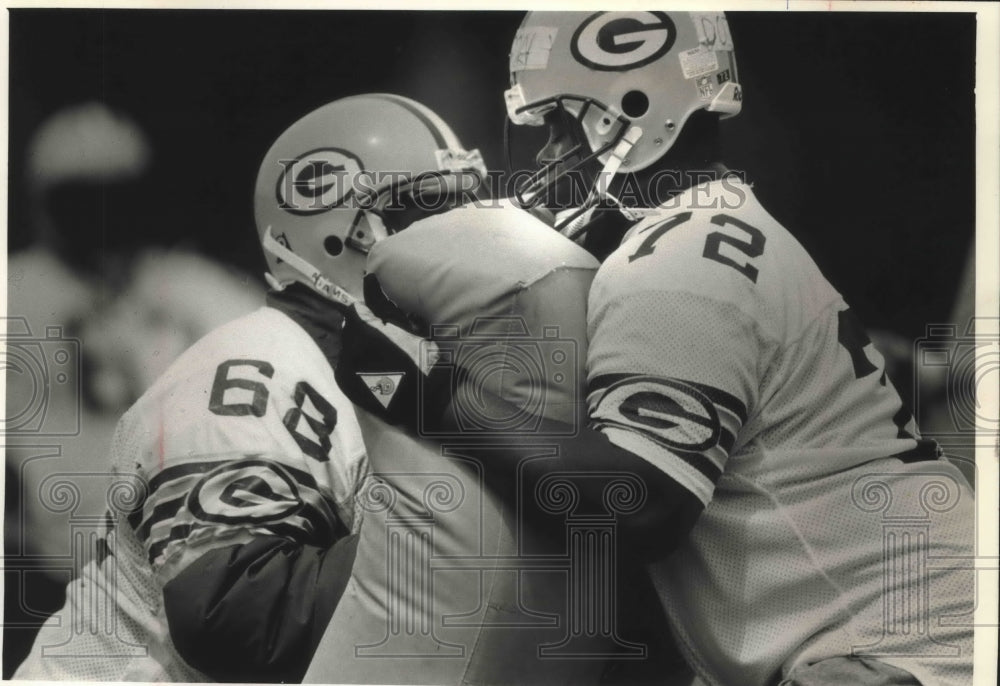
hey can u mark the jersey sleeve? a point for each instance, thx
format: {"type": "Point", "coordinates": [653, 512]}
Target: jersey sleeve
{"type": "Point", "coordinates": [241, 438]}
{"type": "Point", "coordinates": [675, 354]}
{"type": "Point", "coordinates": [518, 333]}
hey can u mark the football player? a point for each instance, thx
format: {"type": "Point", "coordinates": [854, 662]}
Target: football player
{"type": "Point", "coordinates": [781, 467]}
{"type": "Point", "coordinates": [720, 354]}
{"type": "Point", "coordinates": [234, 525]}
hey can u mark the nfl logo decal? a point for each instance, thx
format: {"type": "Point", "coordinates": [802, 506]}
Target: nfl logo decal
{"type": "Point", "coordinates": [705, 87]}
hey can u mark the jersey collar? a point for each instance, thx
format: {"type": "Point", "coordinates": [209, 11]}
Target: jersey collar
{"type": "Point", "coordinates": [697, 197]}
{"type": "Point", "coordinates": [313, 313]}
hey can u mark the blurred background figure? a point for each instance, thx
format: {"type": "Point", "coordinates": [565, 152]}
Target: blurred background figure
{"type": "Point", "coordinates": [170, 300]}
{"type": "Point", "coordinates": [94, 314]}
{"type": "Point", "coordinates": [84, 163]}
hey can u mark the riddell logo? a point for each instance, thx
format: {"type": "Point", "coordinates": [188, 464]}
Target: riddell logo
{"type": "Point", "coordinates": [616, 41]}
{"type": "Point", "coordinates": [317, 181]}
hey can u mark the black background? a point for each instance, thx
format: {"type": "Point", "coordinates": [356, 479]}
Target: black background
{"type": "Point", "coordinates": [858, 129]}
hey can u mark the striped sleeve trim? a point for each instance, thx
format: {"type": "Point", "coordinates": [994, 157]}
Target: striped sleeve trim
{"type": "Point", "coordinates": [697, 423]}
{"type": "Point", "coordinates": [299, 528]}
{"type": "Point", "coordinates": [198, 466]}
{"type": "Point", "coordinates": [215, 498]}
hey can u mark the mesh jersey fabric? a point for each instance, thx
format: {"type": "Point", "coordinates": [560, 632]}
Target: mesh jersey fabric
{"type": "Point", "coordinates": [720, 353]}
{"type": "Point", "coordinates": [245, 434]}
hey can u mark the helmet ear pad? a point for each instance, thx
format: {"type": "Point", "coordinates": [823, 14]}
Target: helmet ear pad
{"type": "Point", "coordinates": [634, 104]}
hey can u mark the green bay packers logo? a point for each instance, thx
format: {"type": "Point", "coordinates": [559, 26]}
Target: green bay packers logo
{"type": "Point", "coordinates": [251, 490]}
{"type": "Point", "coordinates": [616, 41]}
{"type": "Point", "coordinates": [670, 411]}
{"type": "Point", "coordinates": [317, 181]}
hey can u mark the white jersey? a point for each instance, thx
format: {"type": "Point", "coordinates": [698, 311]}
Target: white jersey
{"type": "Point", "coordinates": [245, 434]}
{"type": "Point", "coordinates": [719, 353]}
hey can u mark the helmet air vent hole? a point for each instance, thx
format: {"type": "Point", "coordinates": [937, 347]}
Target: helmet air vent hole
{"type": "Point", "coordinates": [635, 104]}
{"type": "Point", "coordinates": [670, 125]}
{"type": "Point", "coordinates": [333, 245]}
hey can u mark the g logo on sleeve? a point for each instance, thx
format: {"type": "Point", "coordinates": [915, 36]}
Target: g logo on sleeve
{"type": "Point", "coordinates": [247, 491]}
{"type": "Point", "coordinates": [617, 41]}
{"type": "Point", "coordinates": [669, 411]}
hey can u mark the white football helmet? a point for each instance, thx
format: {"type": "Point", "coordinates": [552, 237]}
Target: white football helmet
{"type": "Point", "coordinates": [324, 186]}
{"type": "Point", "coordinates": [630, 80]}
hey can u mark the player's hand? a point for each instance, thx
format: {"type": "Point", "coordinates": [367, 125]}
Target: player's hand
{"type": "Point", "coordinates": [387, 371]}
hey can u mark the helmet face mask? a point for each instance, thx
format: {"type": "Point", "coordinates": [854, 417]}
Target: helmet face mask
{"type": "Point", "coordinates": [337, 180]}
{"type": "Point", "coordinates": [631, 80]}
{"type": "Point", "coordinates": [400, 203]}
{"type": "Point", "coordinates": [568, 118]}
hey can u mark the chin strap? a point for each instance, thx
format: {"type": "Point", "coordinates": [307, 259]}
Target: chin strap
{"type": "Point", "coordinates": [320, 283]}
{"type": "Point", "coordinates": [579, 217]}
{"type": "Point", "coordinates": [619, 153]}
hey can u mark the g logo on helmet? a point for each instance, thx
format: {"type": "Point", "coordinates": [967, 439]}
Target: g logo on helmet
{"type": "Point", "coordinates": [616, 41]}
{"type": "Point", "coordinates": [317, 181]}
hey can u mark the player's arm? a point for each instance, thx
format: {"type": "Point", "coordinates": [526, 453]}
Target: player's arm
{"type": "Point", "coordinates": [256, 611]}
{"type": "Point", "coordinates": [666, 405]}
{"type": "Point", "coordinates": [667, 509]}
{"type": "Point", "coordinates": [250, 549]}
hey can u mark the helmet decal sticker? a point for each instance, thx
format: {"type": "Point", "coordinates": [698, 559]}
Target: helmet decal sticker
{"type": "Point", "coordinates": [531, 48]}
{"type": "Point", "coordinates": [317, 181]}
{"type": "Point", "coordinates": [617, 41]}
{"type": "Point", "coordinates": [706, 89]}
{"type": "Point", "coordinates": [698, 62]}
{"type": "Point", "coordinates": [713, 30]}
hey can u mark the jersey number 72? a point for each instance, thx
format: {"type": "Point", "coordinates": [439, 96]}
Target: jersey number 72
{"type": "Point", "coordinates": [754, 247]}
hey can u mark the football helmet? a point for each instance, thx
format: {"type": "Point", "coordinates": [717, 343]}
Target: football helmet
{"type": "Point", "coordinates": [628, 81]}
{"type": "Point", "coordinates": [324, 188]}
